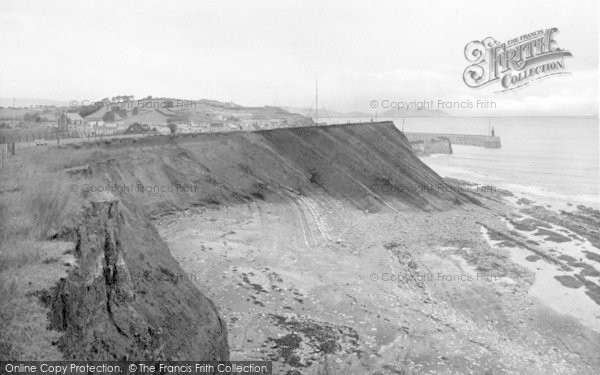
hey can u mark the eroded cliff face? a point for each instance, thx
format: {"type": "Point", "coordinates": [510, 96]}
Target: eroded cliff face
{"type": "Point", "coordinates": [127, 299]}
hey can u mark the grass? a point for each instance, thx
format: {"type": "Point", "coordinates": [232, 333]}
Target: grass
{"type": "Point", "coordinates": [8, 312]}
{"type": "Point", "coordinates": [51, 204]}
{"type": "Point", "coordinates": [35, 201]}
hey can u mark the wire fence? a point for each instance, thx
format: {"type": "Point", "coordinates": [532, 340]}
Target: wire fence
{"type": "Point", "coordinates": [11, 144]}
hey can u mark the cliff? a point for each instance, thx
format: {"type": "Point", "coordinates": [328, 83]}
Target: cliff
{"type": "Point", "coordinates": [370, 165]}
{"type": "Point", "coordinates": [124, 296]}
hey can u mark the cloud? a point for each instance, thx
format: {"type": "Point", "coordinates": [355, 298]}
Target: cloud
{"type": "Point", "coordinates": [270, 52]}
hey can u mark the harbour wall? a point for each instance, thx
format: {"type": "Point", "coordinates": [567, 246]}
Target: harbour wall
{"type": "Point", "coordinates": [486, 141]}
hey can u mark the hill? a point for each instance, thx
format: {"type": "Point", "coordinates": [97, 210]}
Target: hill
{"type": "Point", "coordinates": [162, 110]}
{"type": "Point", "coordinates": [414, 113]}
{"type": "Point", "coordinates": [328, 112]}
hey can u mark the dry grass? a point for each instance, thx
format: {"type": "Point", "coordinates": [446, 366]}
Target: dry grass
{"type": "Point", "coordinates": [35, 201]}
{"type": "Point", "coordinates": [15, 254]}
{"type": "Point", "coordinates": [8, 311]}
{"type": "Point", "coordinates": [23, 323]}
{"type": "Point", "coordinates": [51, 204]}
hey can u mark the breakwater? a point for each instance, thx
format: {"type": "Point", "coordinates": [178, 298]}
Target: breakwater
{"type": "Point", "coordinates": [431, 146]}
{"type": "Point", "coordinates": [486, 141]}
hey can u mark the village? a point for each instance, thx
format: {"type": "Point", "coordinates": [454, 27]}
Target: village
{"type": "Point", "coordinates": [123, 115]}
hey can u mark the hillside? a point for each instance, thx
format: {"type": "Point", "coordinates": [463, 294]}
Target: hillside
{"type": "Point", "coordinates": [414, 113]}
{"type": "Point", "coordinates": [328, 112]}
{"type": "Point", "coordinates": [163, 110]}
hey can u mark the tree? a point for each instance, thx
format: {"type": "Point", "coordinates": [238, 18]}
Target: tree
{"type": "Point", "coordinates": [134, 128]}
{"type": "Point", "coordinates": [108, 117]}
{"type": "Point", "coordinates": [172, 127]}
{"type": "Point", "coordinates": [122, 112]}
{"type": "Point", "coordinates": [135, 111]}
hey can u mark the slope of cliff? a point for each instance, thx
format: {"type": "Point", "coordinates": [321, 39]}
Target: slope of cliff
{"type": "Point", "coordinates": [370, 165]}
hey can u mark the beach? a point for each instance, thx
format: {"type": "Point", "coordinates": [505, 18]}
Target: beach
{"type": "Point", "coordinates": [320, 286]}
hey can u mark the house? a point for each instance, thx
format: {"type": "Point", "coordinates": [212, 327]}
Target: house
{"type": "Point", "coordinates": [97, 119]}
{"type": "Point", "coordinates": [74, 119]}
{"type": "Point", "coordinates": [117, 124]}
{"type": "Point", "coordinates": [94, 122]}
{"type": "Point", "coordinates": [152, 118]}
{"type": "Point", "coordinates": [234, 126]}
{"type": "Point", "coordinates": [69, 121]}
{"type": "Point", "coordinates": [216, 126]}
{"type": "Point", "coordinates": [249, 124]}
{"type": "Point", "coordinates": [185, 128]}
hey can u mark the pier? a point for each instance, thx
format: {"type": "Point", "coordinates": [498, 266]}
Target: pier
{"type": "Point", "coordinates": [487, 141]}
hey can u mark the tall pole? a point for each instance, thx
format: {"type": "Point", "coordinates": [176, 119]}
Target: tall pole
{"type": "Point", "coordinates": [317, 102]}
{"type": "Point", "coordinates": [490, 130]}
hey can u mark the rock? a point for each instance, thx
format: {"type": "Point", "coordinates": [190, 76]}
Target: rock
{"type": "Point", "coordinates": [113, 306]}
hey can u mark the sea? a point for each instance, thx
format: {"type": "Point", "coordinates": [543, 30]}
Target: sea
{"type": "Point", "coordinates": [551, 160]}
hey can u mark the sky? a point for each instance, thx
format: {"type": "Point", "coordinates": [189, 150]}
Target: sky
{"type": "Point", "coordinates": [269, 52]}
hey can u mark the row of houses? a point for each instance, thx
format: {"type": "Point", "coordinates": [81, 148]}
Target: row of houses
{"type": "Point", "coordinates": [159, 122]}
{"type": "Point", "coordinates": [73, 121]}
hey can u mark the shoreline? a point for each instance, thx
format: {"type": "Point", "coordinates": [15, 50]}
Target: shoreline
{"type": "Point", "coordinates": [555, 249]}
{"type": "Point", "coordinates": [559, 201]}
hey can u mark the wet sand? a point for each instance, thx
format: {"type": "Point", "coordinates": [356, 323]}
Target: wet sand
{"type": "Point", "coordinates": [556, 284]}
